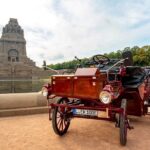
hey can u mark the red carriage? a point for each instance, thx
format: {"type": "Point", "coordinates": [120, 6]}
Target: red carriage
{"type": "Point", "coordinates": [104, 92]}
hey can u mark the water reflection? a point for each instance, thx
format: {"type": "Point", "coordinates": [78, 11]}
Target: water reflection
{"type": "Point", "coordinates": [21, 86]}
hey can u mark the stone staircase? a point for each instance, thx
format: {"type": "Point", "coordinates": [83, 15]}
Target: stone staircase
{"type": "Point", "coordinates": [22, 104]}
{"type": "Point", "coordinates": [23, 111]}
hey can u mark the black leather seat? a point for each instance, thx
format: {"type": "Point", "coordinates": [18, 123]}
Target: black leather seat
{"type": "Point", "coordinates": [134, 77]}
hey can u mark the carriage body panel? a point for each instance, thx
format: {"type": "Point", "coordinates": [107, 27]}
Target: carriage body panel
{"type": "Point", "coordinates": [79, 85]}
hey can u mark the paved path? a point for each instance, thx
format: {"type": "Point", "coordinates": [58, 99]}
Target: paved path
{"type": "Point", "coordinates": [35, 133]}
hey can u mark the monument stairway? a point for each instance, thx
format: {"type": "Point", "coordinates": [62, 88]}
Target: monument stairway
{"type": "Point", "coordinates": [23, 111]}
{"type": "Point", "coordinates": [22, 104]}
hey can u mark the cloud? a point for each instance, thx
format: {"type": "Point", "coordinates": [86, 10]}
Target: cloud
{"type": "Point", "coordinates": [56, 57]}
{"type": "Point", "coordinates": [42, 56]}
{"type": "Point", "coordinates": [58, 30]}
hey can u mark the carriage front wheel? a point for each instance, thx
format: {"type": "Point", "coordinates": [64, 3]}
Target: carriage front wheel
{"type": "Point", "coordinates": [60, 121]}
{"type": "Point", "coordinates": [123, 123]}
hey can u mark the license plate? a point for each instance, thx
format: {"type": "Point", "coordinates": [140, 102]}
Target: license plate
{"type": "Point", "coordinates": [85, 112]}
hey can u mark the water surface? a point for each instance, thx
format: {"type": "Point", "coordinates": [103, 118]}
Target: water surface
{"type": "Point", "coordinates": [21, 86]}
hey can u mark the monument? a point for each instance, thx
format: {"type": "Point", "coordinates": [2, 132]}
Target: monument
{"type": "Point", "coordinates": [14, 63]}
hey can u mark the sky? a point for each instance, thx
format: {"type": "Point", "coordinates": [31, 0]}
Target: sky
{"type": "Point", "coordinates": [58, 30]}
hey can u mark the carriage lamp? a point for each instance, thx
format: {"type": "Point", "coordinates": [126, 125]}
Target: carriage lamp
{"type": "Point", "coordinates": [105, 97]}
{"type": "Point", "coordinates": [44, 91]}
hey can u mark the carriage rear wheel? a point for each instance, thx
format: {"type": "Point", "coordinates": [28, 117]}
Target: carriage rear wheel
{"type": "Point", "coordinates": [60, 121]}
{"type": "Point", "coordinates": [123, 124]}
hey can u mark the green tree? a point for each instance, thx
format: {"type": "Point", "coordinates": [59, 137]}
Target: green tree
{"type": "Point", "coordinates": [141, 57]}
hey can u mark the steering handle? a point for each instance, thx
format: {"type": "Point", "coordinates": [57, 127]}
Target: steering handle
{"type": "Point", "coordinates": [102, 60]}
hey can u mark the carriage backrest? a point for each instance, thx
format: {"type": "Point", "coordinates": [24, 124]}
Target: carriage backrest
{"type": "Point", "coordinates": [134, 76]}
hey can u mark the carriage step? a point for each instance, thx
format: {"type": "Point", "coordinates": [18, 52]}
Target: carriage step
{"type": "Point", "coordinates": [128, 125]}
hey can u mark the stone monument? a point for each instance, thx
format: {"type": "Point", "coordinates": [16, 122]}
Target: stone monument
{"type": "Point", "coordinates": [14, 63]}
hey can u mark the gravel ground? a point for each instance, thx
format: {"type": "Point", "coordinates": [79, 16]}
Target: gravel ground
{"type": "Point", "coordinates": [35, 133]}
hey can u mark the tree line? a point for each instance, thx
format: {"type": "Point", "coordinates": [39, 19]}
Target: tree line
{"type": "Point", "coordinates": [141, 57]}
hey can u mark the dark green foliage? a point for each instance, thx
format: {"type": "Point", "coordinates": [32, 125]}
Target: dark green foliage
{"type": "Point", "coordinates": [68, 65]}
{"type": "Point", "coordinates": [141, 56]}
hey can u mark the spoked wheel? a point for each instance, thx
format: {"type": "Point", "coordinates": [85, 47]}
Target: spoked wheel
{"type": "Point", "coordinates": [123, 123]}
{"type": "Point", "coordinates": [60, 121]}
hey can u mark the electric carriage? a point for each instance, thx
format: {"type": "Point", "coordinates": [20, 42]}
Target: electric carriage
{"type": "Point", "coordinates": [104, 90]}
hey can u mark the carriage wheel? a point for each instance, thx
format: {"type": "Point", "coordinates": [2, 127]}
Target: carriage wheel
{"type": "Point", "coordinates": [122, 123]}
{"type": "Point", "coordinates": [60, 122]}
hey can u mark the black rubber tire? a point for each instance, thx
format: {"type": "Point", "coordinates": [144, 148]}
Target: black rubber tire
{"type": "Point", "coordinates": [122, 123]}
{"type": "Point", "coordinates": [60, 126]}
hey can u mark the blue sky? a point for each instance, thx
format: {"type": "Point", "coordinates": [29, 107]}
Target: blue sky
{"type": "Point", "coordinates": [58, 30]}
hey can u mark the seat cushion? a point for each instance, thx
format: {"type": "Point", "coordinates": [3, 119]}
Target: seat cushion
{"type": "Point", "coordinates": [134, 76]}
